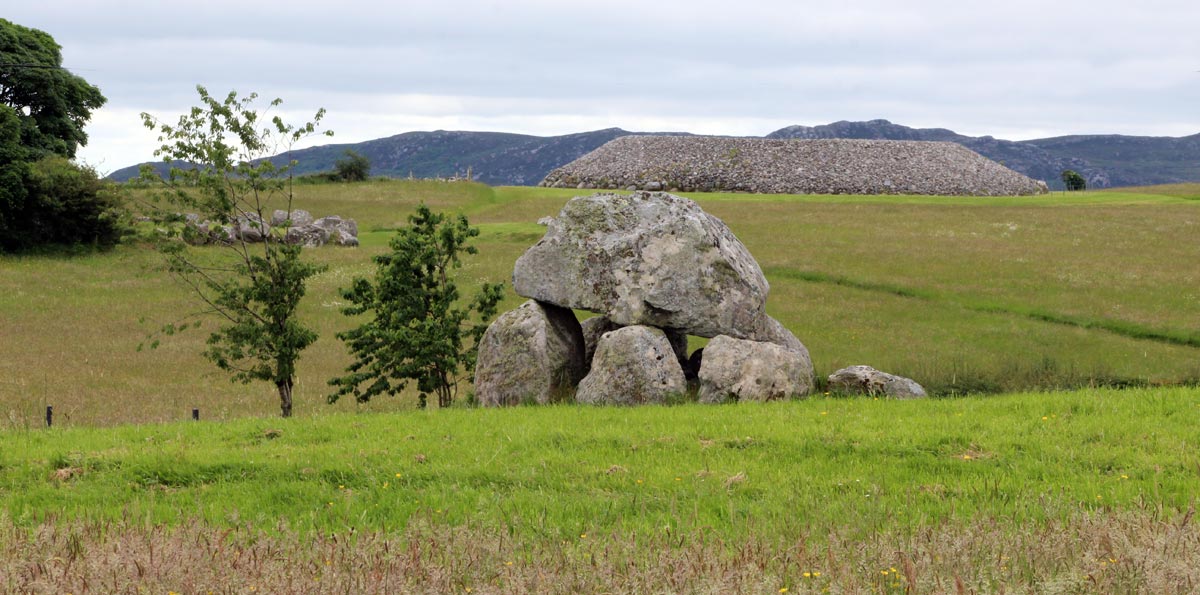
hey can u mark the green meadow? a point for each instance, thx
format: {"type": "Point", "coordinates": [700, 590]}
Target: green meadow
{"type": "Point", "coordinates": [1059, 335]}
{"type": "Point", "coordinates": [966, 295]}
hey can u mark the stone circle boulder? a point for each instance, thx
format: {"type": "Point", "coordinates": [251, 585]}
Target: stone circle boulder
{"type": "Point", "coordinates": [532, 353]}
{"type": "Point", "coordinates": [309, 236]}
{"type": "Point", "coordinates": [299, 217]}
{"type": "Point", "coordinates": [739, 370]}
{"type": "Point", "coordinates": [869, 381]}
{"type": "Point", "coordinates": [633, 365]}
{"type": "Point", "coordinates": [651, 259]}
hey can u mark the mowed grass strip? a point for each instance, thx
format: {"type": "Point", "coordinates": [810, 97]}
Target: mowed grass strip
{"type": "Point", "coordinates": [1040, 488]}
{"type": "Point", "coordinates": [556, 472]}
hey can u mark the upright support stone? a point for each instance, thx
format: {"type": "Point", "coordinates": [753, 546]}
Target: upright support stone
{"type": "Point", "coordinates": [634, 365]}
{"type": "Point", "coordinates": [531, 354]}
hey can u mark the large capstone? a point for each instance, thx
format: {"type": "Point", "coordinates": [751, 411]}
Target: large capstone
{"type": "Point", "coordinates": [869, 381]}
{"type": "Point", "coordinates": [740, 370]}
{"type": "Point", "coordinates": [650, 258]}
{"type": "Point", "coordinates": [634, 365]}
{"type": "Point", "coordinates": [531, 354]}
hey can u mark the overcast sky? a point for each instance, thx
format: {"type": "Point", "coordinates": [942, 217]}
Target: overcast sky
{"type": "Point", "coordinates": [1016, 69]}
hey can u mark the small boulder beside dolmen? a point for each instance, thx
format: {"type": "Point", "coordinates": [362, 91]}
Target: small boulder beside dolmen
{"type": "Point", "coordinates": [866, 380]}
{"type": "Point", "coordinates": [740, 370]}
{"type": "Point", "coordinates": [634, 365]}
{"type": "Point", "coordinates": [530, 354]}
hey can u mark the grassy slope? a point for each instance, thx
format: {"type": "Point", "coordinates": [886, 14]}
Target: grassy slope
{"type": "Point", "coordinates": [963, 294]}
{"type": "Point", "coordinates": [1042, 493]}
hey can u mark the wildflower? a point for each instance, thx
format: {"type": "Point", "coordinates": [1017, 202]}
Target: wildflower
{"type": "Point", "coordinates": [397, 475]}
{"type": "Point", "coordinates": [341, 487]}
{"type": "Point", "coordinates": [808, 575]}
{"type": "Point", "coordinates": [824, 413]}
{"type": "Point", "coordinates": [1045, 418]}
{"type": "Point", "coordinates": [1099, 497]}
{"type": "Point", "coordinates": [639, 481]}
{"type": "Point", "coordinates": [678, 479]}
{"type": "Point", "coordinates": [1123, 476]}
{"type": "Point", "coordinates": [816, 574]}
{"type": "Point", "coordinates": [583, 535]}
{"type": "Point", "coordinates": [509, 563]}
{"type": "Point", "coordinates": [966, 457]}
{"type": "Point", "coordinates": [783, 589]}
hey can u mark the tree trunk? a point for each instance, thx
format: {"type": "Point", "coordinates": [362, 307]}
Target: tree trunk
{"type": "Point", "coordinates": [285, 396]}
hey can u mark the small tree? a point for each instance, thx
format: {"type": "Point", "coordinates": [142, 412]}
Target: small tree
{"type": "Point", "coordinates": [1072, 181]}
{"type": "Point", "coordinates": [352, 168]}
{"type": "Point", "coordinates": [254, 288]}
{"type": "Point", "coordinates": [418, 328]}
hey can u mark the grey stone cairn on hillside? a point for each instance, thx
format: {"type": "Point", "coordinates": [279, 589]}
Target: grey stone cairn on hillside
{"type": "Point", "coordinates": [634, 365]}
{"type": "Point", "coordinates": [530, 354]}
{"type": "Point", "coordinates": [740, 370]}
{"type": "Point", "coordinates": [778, 166]}
{"type": "Point", "coordinates": [869, 381]}
{"type": "Point", "coordinates": [654, 259]}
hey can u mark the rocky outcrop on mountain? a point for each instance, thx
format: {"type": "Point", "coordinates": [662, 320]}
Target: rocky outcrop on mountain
{"type": "Point", "coordinates": [709, 164]}
{"type": "Point", "coordinates": [866, 380]}
{"type": "Point", "coordinates": [657, 269]}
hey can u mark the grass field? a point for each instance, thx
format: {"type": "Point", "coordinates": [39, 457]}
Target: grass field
{"type": "Point", "coordinates": [965, 295]}
{"type": "Point", "coordinates": [1042, 491]}
{"type": "Point", "coordinates": [1086, 490]}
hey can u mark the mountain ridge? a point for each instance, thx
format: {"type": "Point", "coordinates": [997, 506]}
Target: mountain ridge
{"type": "Point", "coordinates": [503, 158]}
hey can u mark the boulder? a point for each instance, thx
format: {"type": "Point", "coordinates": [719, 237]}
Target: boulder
{"type": "Point", "coordinates": [869, 381]}
{"type": "Point", "coordinates": [309, 236]}
{"type": "Point", "coordinates": [334, 223]}
{"type": "Point", "coordinates": [740, 370]}
{"type": "Point", "coordinates": [650, 258]}
{"type": "Point", "coordinates": [532, 353]}
{"type": "Point", "coordinates": [249, 227]}
{"type": "Point", "coordinates": [342, 237]}
{"type": "Point", "coordinates": [299, 217]}
{"type": "Point", "coordinates": [593, 328]}
{"type": "Point", "coordinates": [769, 330]}
{"type": "Point", "coordinates": [633, 365]}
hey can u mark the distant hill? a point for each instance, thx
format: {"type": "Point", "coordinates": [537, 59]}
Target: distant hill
{"type": "Point", "coordinates": [495, 158]}
{"type": "Point", "coordinates": [499, 158]}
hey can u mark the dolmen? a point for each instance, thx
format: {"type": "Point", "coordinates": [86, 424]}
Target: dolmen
{"type": "Point", "coordinates": [654, 268]}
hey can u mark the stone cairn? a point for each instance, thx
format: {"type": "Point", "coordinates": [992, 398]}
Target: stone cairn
{"type": "Point", "coordinates": [297, 227]}
{"type": "Point", "coordinates": [824, 166]}
{"type": "Point", "coordinates": [655, 268]}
